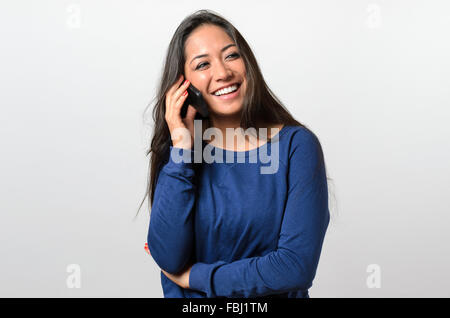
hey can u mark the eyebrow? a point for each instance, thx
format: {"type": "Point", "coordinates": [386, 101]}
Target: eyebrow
{"type": "Point", "coordinates": [203, 55]}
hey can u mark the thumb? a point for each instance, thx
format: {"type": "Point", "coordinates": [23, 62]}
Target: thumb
{"type": "Point", "coordinates": [190, 114]}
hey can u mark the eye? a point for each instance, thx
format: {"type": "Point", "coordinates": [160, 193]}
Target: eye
{"type": "Point", "coordinates": [200, 66]}
{"type": "Point", "coordinates": [235, 55]}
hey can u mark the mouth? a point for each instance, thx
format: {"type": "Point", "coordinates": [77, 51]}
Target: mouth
{"type": "Point", "coordinates": [229, 92]}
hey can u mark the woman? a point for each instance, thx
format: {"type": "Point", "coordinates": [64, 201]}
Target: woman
{"type": "Point", "coordinates": [225, 229]}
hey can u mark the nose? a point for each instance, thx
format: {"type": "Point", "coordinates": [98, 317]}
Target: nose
{"type": "Point", "coordinates": [222, 72]}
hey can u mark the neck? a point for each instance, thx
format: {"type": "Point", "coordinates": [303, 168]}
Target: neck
{"type": "Point", "coordinates": [222, 123]}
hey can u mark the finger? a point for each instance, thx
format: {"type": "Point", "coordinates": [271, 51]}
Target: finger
{"type": "Point", "coordinates": [179, 95]}
{"type": "Point", "coordinates": [180, 91]}
{"type": "Point", "coordinates": [147, 249]}
{"type": "Point", "coordinates": [174, 103]}
{"type": "Point", "coordinates": [180, 101]}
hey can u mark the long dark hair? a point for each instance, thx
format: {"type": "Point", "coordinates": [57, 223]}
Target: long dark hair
{"type": "Point", "coordinates": [261, 108]}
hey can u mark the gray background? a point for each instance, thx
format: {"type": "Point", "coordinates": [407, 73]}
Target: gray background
{"type": "Point", "coordinates": [371, 78]}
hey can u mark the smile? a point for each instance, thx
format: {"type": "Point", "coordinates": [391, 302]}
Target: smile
{"type": "Point", "coordinates": [228, 92]}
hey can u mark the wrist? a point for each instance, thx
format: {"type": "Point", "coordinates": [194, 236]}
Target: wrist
{"type": "Point", "coordinates": [183, 144]}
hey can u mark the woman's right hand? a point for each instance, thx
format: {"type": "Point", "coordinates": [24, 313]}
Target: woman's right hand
{"type": "Point", "coordinates": [181, 129]}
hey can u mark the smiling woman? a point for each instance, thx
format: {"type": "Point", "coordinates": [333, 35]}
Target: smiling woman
{"type": "Point", "coordinates": [218, 71]}
{"type": "Point", "coordinates": [227, 230]}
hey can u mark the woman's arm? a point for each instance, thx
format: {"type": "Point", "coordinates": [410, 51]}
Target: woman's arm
{"type": "Point", "coordinates": [293, 265]}
{"type": "Point", "coordinates": [170, 235]}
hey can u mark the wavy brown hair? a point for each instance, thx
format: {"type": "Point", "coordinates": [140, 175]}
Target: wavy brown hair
{"type": "Point", "coordinates": [261, 108]}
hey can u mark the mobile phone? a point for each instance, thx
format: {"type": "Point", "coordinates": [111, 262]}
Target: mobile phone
{"type": "Point", "coordinates": [195, 99]}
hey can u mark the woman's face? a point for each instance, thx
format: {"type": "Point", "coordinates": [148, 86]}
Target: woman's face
{"type": "Point", "coordinates": [213, 62]}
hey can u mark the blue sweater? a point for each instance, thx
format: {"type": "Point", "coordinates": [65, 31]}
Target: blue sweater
{"type": "Point", "coordinates": [248, 234]}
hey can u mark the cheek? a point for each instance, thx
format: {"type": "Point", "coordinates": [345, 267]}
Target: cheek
{"type": "Point", "coordinates": [200, 81]}
{"type": "Point", "coordinates": [242, 68]}
{"type": "Point", "coordinates": [244, 87]}
{"type": "Point", "coordinates": [244, 76]}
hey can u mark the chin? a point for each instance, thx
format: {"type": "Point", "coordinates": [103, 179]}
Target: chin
{"type": "Point", "coordinates": [226, 111]}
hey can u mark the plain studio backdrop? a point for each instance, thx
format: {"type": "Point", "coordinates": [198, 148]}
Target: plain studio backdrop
{"type": "Point", "coordinates": [370, 78]}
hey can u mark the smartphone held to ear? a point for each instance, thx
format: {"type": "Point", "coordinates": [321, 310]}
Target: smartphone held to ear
{"type": "Point", "coordinates": [195, 99]}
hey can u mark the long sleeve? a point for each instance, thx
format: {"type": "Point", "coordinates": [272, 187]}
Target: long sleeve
{"type": "Point", "coordinates": [292, 266]}
{"type": "Point", "coordinates": [170, 234]}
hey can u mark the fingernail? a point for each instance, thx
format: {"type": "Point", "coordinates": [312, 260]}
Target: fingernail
{"type": "Point", "coordinates": [185, 92]}
{"type": "Point", "coordinates": [185, 82]}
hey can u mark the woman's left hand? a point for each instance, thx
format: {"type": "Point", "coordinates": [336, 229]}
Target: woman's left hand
{"type": "Point", "coordinates": [181, 279]}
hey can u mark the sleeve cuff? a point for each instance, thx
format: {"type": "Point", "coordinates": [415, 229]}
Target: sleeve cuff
{"type": "Point", "coordinates": [200, 277]}
{"type": "Point", "coordinates": [197, 277]}
{"type": "Point", "coordinates": [181, 155]}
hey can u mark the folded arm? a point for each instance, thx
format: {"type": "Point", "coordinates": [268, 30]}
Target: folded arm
{"type": "Point", "coordinates": [170, 234]}
{"type": "Point", "coordinates": [292, 266]}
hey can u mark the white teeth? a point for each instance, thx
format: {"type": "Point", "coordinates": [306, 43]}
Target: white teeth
{"type": "Point", "coordinates": [226, 90]}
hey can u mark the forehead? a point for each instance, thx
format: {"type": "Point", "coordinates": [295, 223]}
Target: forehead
{"type": "Point", "coordinates": [206, 39]}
